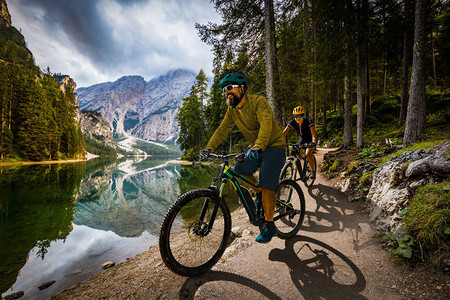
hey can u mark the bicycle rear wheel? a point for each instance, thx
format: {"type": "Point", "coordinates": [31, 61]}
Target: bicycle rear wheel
{"type": "Point", "coordinates": [309, 174]}
{"type": "Point", "coordinates": [290, 209]}
{"type": "Point", "coordinates": [289, 171]}
{"type": "Point", "coordinates": [187, 247]}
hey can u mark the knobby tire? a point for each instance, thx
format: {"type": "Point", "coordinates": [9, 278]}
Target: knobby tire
{"type": "Point", "coordinates": [289, 171]}
{"type": "Point", "coordinates": [185, 252]}
{"type": "Point", "coordinates": [310, 180]}
{"type": "Point", "coordinates": [290, 208]}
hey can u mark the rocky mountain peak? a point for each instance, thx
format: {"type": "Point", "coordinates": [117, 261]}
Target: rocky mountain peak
{"type": "Point", "coordinates": [94, 126]}
{"type": "Point", "coordinates": [146, 110]}
{"type": "Point", "coordinates": [5, 16]}
{"type": "Point", "coordinates": [67, 83]}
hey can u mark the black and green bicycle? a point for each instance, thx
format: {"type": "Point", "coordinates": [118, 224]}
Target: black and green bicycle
{"type": "Point", "coordinates": [197, 227]}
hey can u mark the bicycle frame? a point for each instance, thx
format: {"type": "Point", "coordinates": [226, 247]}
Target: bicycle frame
{"type": "Point", "coordinates": [297, 161]}
{"type": "Point", "coordinates": [228, 174]}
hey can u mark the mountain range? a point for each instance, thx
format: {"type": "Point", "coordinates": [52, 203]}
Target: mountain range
{"type": "Point", "coordinates": [134, 107]}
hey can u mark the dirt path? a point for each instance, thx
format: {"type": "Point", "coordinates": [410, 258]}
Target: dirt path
{"type": "Point", "coordinates": [334, 256]}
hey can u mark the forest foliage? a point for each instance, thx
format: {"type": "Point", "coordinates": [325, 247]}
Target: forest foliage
{"type": "Point", "coordinates": [37, 119]}
{"type": "Point", "coordinates": [374, 72]}
{"type": "Point", "coordinates": [341, 60]}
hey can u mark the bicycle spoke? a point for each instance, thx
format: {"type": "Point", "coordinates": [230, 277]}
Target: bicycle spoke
{"type": "Point", "coordinates": [186, 247]}
{"type": "Point", "coordinates": [290, 208]}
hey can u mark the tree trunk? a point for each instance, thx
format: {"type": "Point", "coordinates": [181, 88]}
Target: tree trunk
{"type": "Point", "coordinates": [367, 80]}
{"type": "Point", "coordinates": [324, 119]}
{"type": "Point", "coordinates": [348, 135]}
{"type": "Point", "coordinates": [433, 58]}
{"type": "Point", "coordinates": [365, 56]}
{"type": "Point", "coordinates": [305, 51]}
{"type": "Point", "coordinates": [270, 58]}
{"type": "Point", "coordinates": [359, 98]}
{"type": "Point", "coordinates": [360, 73]}
{"type": "Point", "coordinates": [339, 99]}
{"type": "Point", "coordinates": [407, 57]}
{"type": "Point", "coordinates": [415, 117]}
{"type": "Point", "coordinates": [313, 54]}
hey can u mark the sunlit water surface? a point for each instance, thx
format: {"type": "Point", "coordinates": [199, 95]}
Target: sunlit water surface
{"type": "Point", "coordinates": [62, 222]}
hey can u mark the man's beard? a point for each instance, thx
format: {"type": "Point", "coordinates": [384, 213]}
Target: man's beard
{"type": "Point", "coordinates": [234, 100]}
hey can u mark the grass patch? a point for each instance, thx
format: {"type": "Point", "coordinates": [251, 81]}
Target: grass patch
{"type": "Point", "coordinates": [334, 167]}
{"type": "Point", "coordinates": [428, 221]}
{"type": "Point", "coordinates": [366, 178]}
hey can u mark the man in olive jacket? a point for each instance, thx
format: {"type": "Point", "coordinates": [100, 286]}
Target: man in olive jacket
{"type": "Point", "coordinates": [266, 143]}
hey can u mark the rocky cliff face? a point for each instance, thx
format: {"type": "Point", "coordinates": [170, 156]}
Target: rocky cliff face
{"type": "Point", "coordinates": [145, 110]}
{"type": "Point", "coordinates": [96, 127]}
{"type": "Point", "coordinates": [67, 84]}
{"type": "Point", "coordinates": [393, 182]}
{"type": "Point", "coordinates": [5, 16]}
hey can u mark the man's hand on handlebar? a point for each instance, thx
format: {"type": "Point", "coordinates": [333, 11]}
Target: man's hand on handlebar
{"type": "Point", "coordinates": [204, 154]}
{"type": "Point", "coordinates": [253, 152]}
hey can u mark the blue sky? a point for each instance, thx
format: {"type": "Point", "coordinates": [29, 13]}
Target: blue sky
{"type": "Point", "coordinates": [96, 41]}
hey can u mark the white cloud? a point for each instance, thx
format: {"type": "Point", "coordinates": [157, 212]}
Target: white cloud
{"type": "Point", "coordinates": [108, 39]}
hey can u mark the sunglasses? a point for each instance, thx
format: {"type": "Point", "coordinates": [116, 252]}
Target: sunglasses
{"type": "Point", "coordinates": [230, 87]}
{"type": "Point", "coordinates": [299, 116]}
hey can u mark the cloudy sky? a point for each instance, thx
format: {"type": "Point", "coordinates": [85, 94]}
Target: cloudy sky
{"type": "Point", "coordinates": [96, 41]}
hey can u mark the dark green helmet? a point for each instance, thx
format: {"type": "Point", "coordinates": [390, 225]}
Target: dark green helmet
{"type": "Point", "coordinates": [233, 78]}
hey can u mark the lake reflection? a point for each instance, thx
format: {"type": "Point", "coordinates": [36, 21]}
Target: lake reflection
{"type": "Point", "coordinates": [63, 221]}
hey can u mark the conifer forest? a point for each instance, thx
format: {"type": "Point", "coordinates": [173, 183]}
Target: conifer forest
{"type": "Point", "coordinates": [353, 65]}
{"type": "Point", "coordinates": [38, 120]}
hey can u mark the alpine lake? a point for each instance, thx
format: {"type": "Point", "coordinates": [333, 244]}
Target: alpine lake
{"type": "Point", "coordinates": [61, 222]}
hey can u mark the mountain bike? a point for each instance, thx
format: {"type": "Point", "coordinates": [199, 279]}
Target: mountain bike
{"type": "Point", "coordinates": [195, 231]}
{"type": "Point", "coordinates": [293, 163]}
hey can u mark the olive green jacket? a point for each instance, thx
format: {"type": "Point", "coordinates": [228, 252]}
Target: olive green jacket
{"type": "Point", "coordinates": [256, 123]}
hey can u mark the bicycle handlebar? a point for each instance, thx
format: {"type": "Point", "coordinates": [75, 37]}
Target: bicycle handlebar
{"type": "Point", "coordinates": [225, 157]}
{"type": "Point", "coordinates": [302, 146]}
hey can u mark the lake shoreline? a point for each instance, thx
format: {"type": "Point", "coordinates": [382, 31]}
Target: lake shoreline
{"type": "Point", "coordinates": [49, 162]}
{"type": "Point", "coordinates": [191, 163]}
{"type": "Point", "coordinates": [44, 162]}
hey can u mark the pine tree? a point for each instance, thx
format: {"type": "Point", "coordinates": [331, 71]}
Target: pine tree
{"type": "Point", "coordinates": [32, 128]}
{"type": "Point", "coordinates": [191, 120]}
{"type": "Point", "coordinates": [416, 113]}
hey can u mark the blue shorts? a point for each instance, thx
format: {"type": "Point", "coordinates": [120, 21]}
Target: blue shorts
{"type": "Point", "coordinates": [270, 163]}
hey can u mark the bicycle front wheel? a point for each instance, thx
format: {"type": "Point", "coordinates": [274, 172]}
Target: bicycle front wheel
{"type": "Point", "coordinates": [289, 171]}
{"type": "Point", "coordinates": [310, 175]}
{"type": "Point", "coordinates": [187, 246]}
{"type": "Point", "coordinates": [290, 209]}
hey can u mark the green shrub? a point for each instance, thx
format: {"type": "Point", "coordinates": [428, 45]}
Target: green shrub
{"type": "Point", "coordinates": [386, 108]}
{"type": "Point", "coordinates": [366, 178]}
{"type": "Point", "coordinates": [351, 167]}
{"type": "Point", "coordinates": [334, 167]}
{"type": "Point", "coordinates": [403, 246]}
{"type": "Point", "coordinates": [335, 124]}
{"type": "Point", "coordinates": [370, 152]}
{"type": "Point", "coordinates": [437, 101]}
{"type": "Point", "coordinates": [191, 155]}
{"type": "Point", "coordinates": [428, 220]}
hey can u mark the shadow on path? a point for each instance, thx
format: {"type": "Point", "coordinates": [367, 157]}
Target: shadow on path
{"type": "Point", "coordinates": [226, 285]}
{"type": "Point", "coordinates": [333, 212]}
{"type": "Point", "coordinates": [319, 271]}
